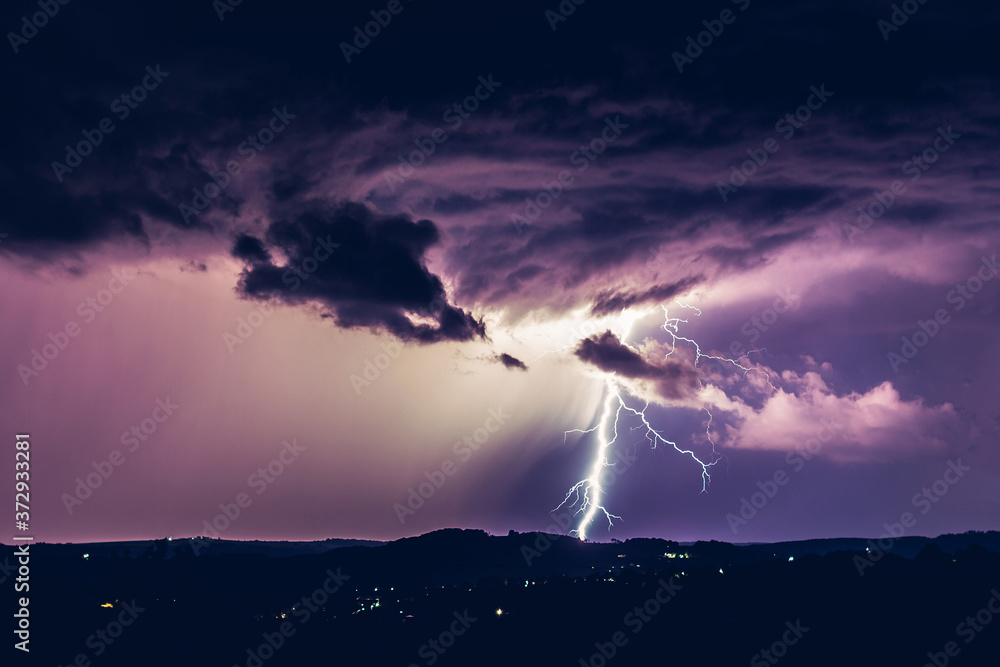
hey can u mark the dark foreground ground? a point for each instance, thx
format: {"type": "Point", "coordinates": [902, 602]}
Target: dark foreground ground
{"type": "Point", "coordinates": [467, 598]}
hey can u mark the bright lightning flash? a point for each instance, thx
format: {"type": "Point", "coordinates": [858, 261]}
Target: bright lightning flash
{"type": "Point", "coordinates": [588, 493]}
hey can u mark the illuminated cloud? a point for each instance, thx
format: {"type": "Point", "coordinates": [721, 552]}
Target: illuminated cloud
{"type": "Point", "coordinates": [872, 426]}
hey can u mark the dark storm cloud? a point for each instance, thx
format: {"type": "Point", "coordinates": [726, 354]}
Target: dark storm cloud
{"type": "Point", "coordinates": [250, 248]}
{"type": "Point", "coordinates": [511, 362]}
{"type": "Point", "coordinates": [672, 380]}
{"type": "Point", "coordinates": [43, 218]}
{"type": "Point", "coordinates": [220, 83]}
{"type": "Point", "coordinates": [609, 354]}
{"type": "Point", "coordinates": [368, 270]}
{"type": "Point", "coordinates": [608, 302]}
{"type": "Point", "coordinates": [654, 185]}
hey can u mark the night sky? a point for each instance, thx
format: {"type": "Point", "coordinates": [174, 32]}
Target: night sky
{"type": "Point", "coordinates": [252, 235]}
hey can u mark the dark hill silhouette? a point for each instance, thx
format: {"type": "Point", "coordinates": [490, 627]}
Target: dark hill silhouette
{"type": "Point", "coordinates": [560, 600]}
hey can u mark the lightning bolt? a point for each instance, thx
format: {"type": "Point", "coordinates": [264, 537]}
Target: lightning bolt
{"type": "Point", "coordinates": [672, 327]}
{"type": "Point", "coordinates": [587, 494]}
{"type": "Point", "coordinates": [590, 490]}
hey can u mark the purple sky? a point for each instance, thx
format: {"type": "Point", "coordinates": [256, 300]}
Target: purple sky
{"type": "Point", "coordinates": [393, 322]}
